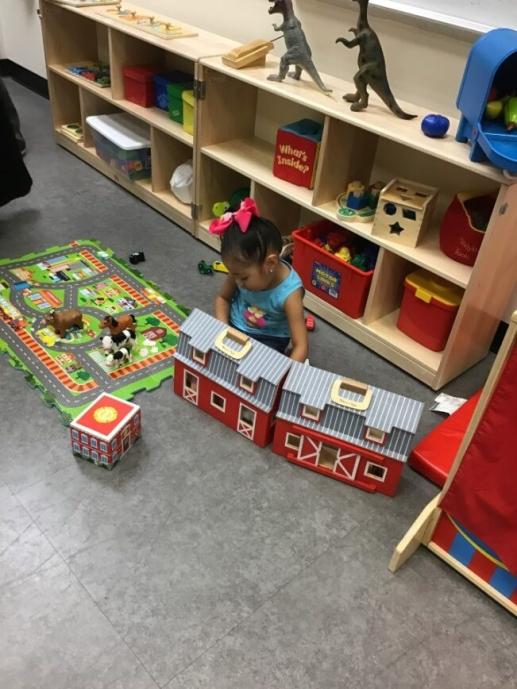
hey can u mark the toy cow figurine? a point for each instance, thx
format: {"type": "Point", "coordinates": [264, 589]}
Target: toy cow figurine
{"type": "Point", "coordinates": [118, 347]}
{"type": "Point", "coordinates": [62, 321]}
{"type": "Point", "coordinates": [117, 325]}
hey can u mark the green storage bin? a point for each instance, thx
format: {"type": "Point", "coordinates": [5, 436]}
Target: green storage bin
{"type": "Point", "coordinates": [175, 93]}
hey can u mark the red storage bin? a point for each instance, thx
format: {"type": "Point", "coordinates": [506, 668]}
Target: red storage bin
{"type": "Point", "coordinates": [464, 224]}
{"type": "Point", "coordinates": [428, 309]}
{"type": "Point", "coordinates": [139, 85]}
{"type": "Point", "coordinates": [329, 277]}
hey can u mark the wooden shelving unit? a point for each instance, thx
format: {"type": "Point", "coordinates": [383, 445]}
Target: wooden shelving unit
{"type": "Point", "coordinates": [233, 144]}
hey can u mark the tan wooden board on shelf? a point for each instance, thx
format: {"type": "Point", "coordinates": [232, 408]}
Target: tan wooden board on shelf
{"type": "Point", "coordinates": [84, 3]}
{"type": "Point", "coordinates": [203, 44]}
{"type": "Point", "coordinates": [161, 27]}
{"type": "Point", "coordinates": [376, 118]}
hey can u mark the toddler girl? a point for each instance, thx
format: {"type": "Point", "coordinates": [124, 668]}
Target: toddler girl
{"type": "Point", "coordinates": [262, 295]}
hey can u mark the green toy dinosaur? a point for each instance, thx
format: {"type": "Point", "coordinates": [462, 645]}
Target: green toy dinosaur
{"type": "Point", "coordinates": [298, 52]}
{"type": "Point", "coordinates": [372, 67]}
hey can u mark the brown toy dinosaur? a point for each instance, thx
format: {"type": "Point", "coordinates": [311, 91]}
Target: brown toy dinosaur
{"type": "Point", "coordinates": [372, 67]}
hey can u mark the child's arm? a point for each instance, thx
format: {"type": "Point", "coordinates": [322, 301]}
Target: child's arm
{"type": "Point", "coordinates": [224, 299]}
{"type": "Point", "coordinates": [294, 312]}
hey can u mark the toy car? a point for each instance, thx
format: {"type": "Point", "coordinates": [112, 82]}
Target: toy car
{"type": "Point", "coordinates": [219, 267]}
{"type": "Point", "coordinates": [205, 268]}
{"type": "Point", "coordinates": [310, 323]}
{"type": "Point", "coordinates": [136, 257]}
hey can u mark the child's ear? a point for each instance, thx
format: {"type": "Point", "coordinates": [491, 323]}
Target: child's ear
{"type": "Point", "coordinates": [271, 262]}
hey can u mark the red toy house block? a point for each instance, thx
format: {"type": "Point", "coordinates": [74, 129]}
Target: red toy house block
{"type": "Point", "coordinates": [296, 152]}
{"type": "Point", "coordinates": [343, 429]}
{"type": "Point", "coordinates": [230, 376]}
{"type": "Point", "coordinates": [106, 430]}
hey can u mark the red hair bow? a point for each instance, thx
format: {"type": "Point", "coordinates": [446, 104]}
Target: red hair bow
{"type": "Point", "coordinates": [242, 217]}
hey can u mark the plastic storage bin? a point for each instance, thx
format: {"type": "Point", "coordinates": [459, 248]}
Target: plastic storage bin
{"type": "Point", "coordinates": [175, 93]}
{"type": "Point", "coordinates": [123, 143]}
{"type": "Point", "coordinates": [188, 111]}
{"type": "Point", "coordinates": [139, 85]}
{"type": "Point", "coordinates": [429, 307]}
{"type": "Point", "coordinates": [162, 81]}
{"type": "Point", "coordinates": [329, 277]}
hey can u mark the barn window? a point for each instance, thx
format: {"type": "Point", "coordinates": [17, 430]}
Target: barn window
{"type": "Point", "coordinates": [247, 384]}
{"type": "Point", "coordinates": [375, 471]}
{"type": "Point", "coordinates": [293, 441]}
{"type": "Point", "coordinates": [218, 402]}
{"type": "Point", "coordinates": [199, 356]}
{"type": "Point", "coordinates": [375, 435]}
{"type": "Point", "coordinates": [312, 413]}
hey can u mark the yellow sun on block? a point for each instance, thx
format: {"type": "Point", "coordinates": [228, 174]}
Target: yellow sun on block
{"type": "Point", "coordinates": [105, 414]}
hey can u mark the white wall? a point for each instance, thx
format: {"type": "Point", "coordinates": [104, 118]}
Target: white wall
{"type": "Point", "coordinates": [21, 32]}
{"type": "Point", "coordinates": [2, 50]}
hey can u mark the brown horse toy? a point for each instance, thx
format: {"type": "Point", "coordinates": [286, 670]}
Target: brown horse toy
{"type": "Point", "coordinates": [125, 321]}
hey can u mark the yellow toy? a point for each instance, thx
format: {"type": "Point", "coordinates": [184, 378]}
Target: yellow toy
{"type": "Point", "coordinates": [344, 254]}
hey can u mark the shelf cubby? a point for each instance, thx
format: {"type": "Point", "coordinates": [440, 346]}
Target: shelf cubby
{"type": "Point", "coordinates": [285, 214]}
{"type": "Point", "coordinates": [216, 182]}
{"type": "Point", "coordinates": [91, 104]}
{"type": "Point", "coordinates": [166, 154]}
{"type": "Point", "coordinates": [66, 96]}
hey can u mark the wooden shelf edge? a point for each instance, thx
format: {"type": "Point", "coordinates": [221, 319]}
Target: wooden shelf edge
{"type": "Point", "coordinates": [140, 189]}
{"type": "Point", "coordinates": [204, 236]}
{"type": "Point", "coordinates": [367, 336]}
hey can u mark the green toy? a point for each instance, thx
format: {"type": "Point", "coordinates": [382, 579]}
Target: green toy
{"type": "Point", "coordinates": [510, 113]}
{"type": "Point", "coordinates": [205, 268]}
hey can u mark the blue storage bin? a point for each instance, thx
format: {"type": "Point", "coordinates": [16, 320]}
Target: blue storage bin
{"type": "Point", "coordinates": [161, 81]}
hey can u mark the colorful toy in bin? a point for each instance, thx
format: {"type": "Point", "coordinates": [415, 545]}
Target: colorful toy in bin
{"type": "Point", "coordinates": [429, 307]}
{"type": "Point", "coordinates": [464, 224]}
{"type": "Point", "coordinates": [316, 260]}
{"type": "Point", "coordinates": [490, 76]}
{"type": "Point", "coordinates": [139, 85]}
{"type": "Point", "coordinates": [96, 72]}
{"type": "Point", "coordinates": [404, 211]}
{"type": "Point", "coordinates": [106, 430]}
{"type": "Point", "coordinates": [359, 203]}
{"type": "Point", "coordinates": [296, 152]}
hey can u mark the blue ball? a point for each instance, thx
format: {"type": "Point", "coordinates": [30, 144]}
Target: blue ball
{"type": "Point", "coordinates": [435, 126]}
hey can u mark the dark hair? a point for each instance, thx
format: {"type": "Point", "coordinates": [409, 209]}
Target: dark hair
{"type": "Point", "coordinates": [254, 245]}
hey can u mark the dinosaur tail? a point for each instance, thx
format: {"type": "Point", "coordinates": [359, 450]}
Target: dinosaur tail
{"type": "Point", "coordinates": [311, 70]}
{"type": "Point", "coordinates": [389, 99]}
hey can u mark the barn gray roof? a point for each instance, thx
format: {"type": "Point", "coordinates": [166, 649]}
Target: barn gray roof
{"type": "Point", "coordinates": [261, 364]}
{"type": "Point", "coordinates": [387, 410]}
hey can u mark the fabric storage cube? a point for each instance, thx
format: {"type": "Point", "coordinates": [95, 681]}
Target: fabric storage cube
{"type": "Point", "coordinates": [429, 307]}
{"type": "Point", "coordinates": [296, 152]}
{"type": "Point", "coordinates": [139, 85]}
{"type": "Point", "coordinates": [188, 111]}
{"type": "Point", "coordinates": [326, 274]}
{"type": "Point", "coordinates": [162, 81]}
{"type": "Point", "coordinates": [175, 92]}
{"type": "Point", "coordinates": [123, 143]}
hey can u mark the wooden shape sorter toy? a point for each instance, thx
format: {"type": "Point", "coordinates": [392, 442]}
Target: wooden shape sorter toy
{"type": "Point", "coordinates": [106, 430]}
{"type": "Point", "coordinates": [83, 284]}
{"type": "Point", "coordinates": [161, 27]}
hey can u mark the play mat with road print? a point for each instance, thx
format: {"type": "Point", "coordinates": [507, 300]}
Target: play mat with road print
{"type": "Point", "coordinates": [71, 372]}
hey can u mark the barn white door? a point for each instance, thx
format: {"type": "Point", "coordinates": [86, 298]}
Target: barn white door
{"type": "Point", "coordinates": [190, 387]}
{"type": "Point", "coordinates": [348, 462]}
{"type": "Point", "coordinates": [246, 421]}
{"type": "Point", "coordinates": [309, 450]}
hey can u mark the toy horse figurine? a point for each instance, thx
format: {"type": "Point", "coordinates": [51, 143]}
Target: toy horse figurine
{"type": "Point", "coordinates": [298, 53]}
{"type": "Point", "coordinates": [372, 67]}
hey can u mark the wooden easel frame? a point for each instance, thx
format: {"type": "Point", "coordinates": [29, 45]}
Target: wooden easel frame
{"type": "Point", "coordinates": [422, 529]}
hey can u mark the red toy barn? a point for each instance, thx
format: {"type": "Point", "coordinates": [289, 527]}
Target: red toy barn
{"type": "Point", "coordinates": [347, 430]}
{"type": "Point", "coordinates": [229, 375]}
{"type": "Point", "coordinates": [106, 430]}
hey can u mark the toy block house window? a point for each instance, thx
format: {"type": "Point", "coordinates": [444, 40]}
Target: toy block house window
{"type": "Point", "coordinates": [311, 413]}
{"type": "Point", "coordinates": [375, 471]}
{"type": "Point", "coordinates": [218, 402]}
{"type": "Point", "coordinates": [93, 442]}
{"type": "Point", "coordinates": [293, 441]}
{"type": "Point", "coordinates": [247, 384]}
{"type": "Point", "coordinates": [199, 356]}
{"type": "Point", "coordinates": [375, 435]}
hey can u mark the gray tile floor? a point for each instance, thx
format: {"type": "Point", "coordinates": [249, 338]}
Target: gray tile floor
{"type": "Point", "coordinates": [203, 562]}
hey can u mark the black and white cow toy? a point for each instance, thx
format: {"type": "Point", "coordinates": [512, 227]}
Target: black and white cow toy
{"type": "Point", "coordinates": [118, 347]}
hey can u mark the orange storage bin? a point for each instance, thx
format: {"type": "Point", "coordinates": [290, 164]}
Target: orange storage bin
{"type": "Point", "coordinates": [329, 277]}
{"type": "Point", "coordinates": [429, 307]}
